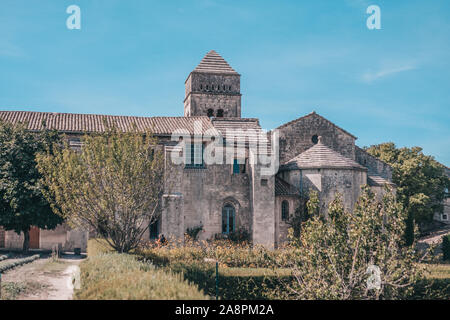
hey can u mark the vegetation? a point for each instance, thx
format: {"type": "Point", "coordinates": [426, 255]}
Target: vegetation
{"type": "Point", "coordinates": [113, 185]}
{"type": "Point", "coordinates": [446, 247]}
{"type": "Point", "coordinates": [111, 276]}
{"type": "Point", "coordinates": [420, 181]}
{"type": "Point", "coordinates": [22, 203]}
{"type": "Point", "coordinates": [355, 255]}
{"type": "Point", "coordinates": [7, 265]}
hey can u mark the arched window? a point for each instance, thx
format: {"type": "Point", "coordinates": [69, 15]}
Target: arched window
{"type": "Point", "coordinates": [228, 219]}
{"type": "Point", "coordinates": [315, 139]}
{"type": "Point", "coordinates": [285, 210]}
{"type": "Point", "coordinates": [210, 113]}
{"type": "Point", "coordinates": [220, 113]}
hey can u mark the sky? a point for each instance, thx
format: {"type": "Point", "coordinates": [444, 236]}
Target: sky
{"type": "Point", "coordinates": [294, 57]}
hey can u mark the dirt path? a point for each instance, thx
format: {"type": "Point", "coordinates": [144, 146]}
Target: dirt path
{"type": "Point", "coordinates": [43, 279]}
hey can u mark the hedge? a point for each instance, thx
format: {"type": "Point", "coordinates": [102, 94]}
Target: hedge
{"type": "Point", "coordinates": [4, 257]}
{"type": "Point", "coordinates": [235, 283]}
{"type": "Point", "coordinates": [9, 265]}
{"type": "Point", "coordinates": [446, 247]}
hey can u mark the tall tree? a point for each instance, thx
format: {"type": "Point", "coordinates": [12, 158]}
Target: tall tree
{"type": "Point", "coordinates": [113, 185]}
{"type": "Point", "coordinates": [22, 203]}
{"type": "Point", "coordinates": [421, 182]}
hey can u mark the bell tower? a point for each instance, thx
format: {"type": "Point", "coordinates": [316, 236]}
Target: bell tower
{"type": "Point", "coordinates": [213, 89]}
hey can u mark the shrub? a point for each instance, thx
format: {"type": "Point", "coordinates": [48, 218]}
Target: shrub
{"type": "Point", "coordinates": [446, 247]}
{"type": "Point", "coordinates": [192, 233]}
{"type": "Point", "coordinates": [114, 276]}
{"type": "Point", "coordinates": [234, 283]}
{"type": "Point", "coordinates": [226, 252]}
{"type": "Point", "coordinates": [4, 257]}
{"type": "Point", "coordinates": [98, 246]}
{"type": "Point", "coordinates": [17, 263]}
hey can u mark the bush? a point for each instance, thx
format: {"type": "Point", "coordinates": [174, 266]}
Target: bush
{"type": "Point", "coordinates": [4, 257]}
{"type": "Point", "coordinates": [98, 246]}
{"type": "Point", "coordinates": [114, 276]}
{"type": "Point", "coordinates": [227, 253]}
{"type": "Point", "coordinates": [17, 263]}
{"type": "Point", "coordinates": [446, 247]}
{"type": "Point", "coordinates": [235, 283]}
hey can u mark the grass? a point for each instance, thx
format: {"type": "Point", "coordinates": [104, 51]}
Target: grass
{"type": "Point", "coordinates": [12, 290]}
{"type": "Point", "coordinates": [113, 276]}
{"type": "Point", "coordinates": [439, 271]}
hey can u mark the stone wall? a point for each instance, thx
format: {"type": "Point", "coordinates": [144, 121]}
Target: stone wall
{"type": "Point", "coordinates": [296, 137]}
{"type": "Point", "coordinates": [201, 195]}
{"type": "Point", "coordinates": [328, 182]}
{"type": "Point", "coordinates": [212, 91]}
{"type": "Point", "coordinates": [374, 165]}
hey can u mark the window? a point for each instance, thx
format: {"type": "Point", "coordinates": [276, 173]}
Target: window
{"type": "Point", "coordinates": [264, 182]}
{"type": "Point", "coordinates": [285, 210]}
{"type": "Point", "coordinates": [236, 168]}
{"type": "Point", "coordinates": [315, 139]}
{"type": "Point", "coordinates": [220, 113]}
{"type": "Point", "coordinates": [210, 113]}
{"type": "Point", "coordinates": [194, 158]}
{"type": "Point", "coordinates": [444, 217]}
{"type": "Point", "coordinates": [228, 219]}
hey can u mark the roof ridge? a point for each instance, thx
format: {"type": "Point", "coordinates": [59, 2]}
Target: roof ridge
{"type": "Point", "coordinates": [315, 113]}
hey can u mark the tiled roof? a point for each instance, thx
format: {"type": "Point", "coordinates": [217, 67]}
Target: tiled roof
{"type": "Point", "coordinates": [319, 116]}
{"type": "Point", "coordinates": [321, 157]}
{"type": "Point", "coordinates": [76, 123]}
{"type": "Point", "coordinates": [375, 180]}
{"type": "Point", "coordinates": [214, 63]}
{"type": "Point", "coordinates": [245, 130]}
{"type": "Point", "coordinates": [283, 188]}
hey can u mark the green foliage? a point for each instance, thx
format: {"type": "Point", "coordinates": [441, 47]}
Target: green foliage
{"type": "Point", "coordinates": [308, 206]}
{"type": "Point", "coordinates": [334, 254]}
{"type": "Point", "coordinates": [233, 283]}
{"type": "Point", "coordinates": [446, 247]}
{"type": "Point", "coordinates": [113, 185]}
{"type": "Point", "coordinates": [22, 203]}
{"type": "Point", "coordinates": [420, 180]}
{"type": "Point", "coordinates": [114, 276]}
{"type": "Point", "coordinates": [193, 232]}
{"type": "Point", "coordinates": [227, 253]}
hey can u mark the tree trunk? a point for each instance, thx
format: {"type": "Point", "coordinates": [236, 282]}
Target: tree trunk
{"type": "Point", "coordinates": [26, 240]}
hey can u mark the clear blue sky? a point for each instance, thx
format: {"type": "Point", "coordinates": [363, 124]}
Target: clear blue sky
{"type": "Point", "coordinates": [132, 58]}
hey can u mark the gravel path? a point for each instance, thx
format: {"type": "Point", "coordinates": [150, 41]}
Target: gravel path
{"type": "Point", "coordinates": [44, 279]}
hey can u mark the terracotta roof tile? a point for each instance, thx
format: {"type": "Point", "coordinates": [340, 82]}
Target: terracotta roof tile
{"type": "Point", "coordinates": [76, 123]}
{"type": "Point", "coordinates": [214, 63]}
{"type": "Point", "coordinates": [321, 157]}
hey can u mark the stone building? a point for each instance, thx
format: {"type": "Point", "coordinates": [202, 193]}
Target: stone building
{"type": "Point", "coordinates": [240, 190]}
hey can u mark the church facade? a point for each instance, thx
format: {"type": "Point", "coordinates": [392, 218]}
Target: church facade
{"type": "Point", "coordinates": [250, 186]}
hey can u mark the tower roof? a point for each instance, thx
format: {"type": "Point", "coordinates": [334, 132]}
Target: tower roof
{"type": "Point", "coordinates": [320, 156]}
{"type": "Point", "coordinates": [214, 63]}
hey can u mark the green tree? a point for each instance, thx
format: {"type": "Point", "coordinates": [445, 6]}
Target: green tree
{"type": "Point", "coordinates": [355, 255]}
{"type": "Point", "coordinates": [112, 186]}
{"type": "Point", "coordinates": [22, 203]}
{"type": "Point", "coordinates": [421, 182]}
